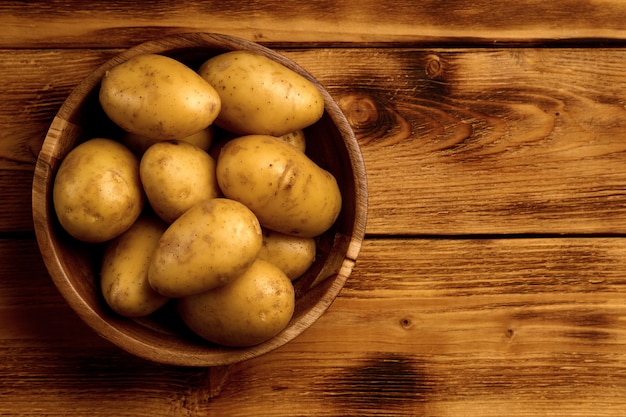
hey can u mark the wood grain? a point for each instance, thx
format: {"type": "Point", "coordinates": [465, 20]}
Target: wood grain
{"type": "Point", "coordinates": [429, 327]}
{"type": "Point", "coordinates": [121, 23]}
{"type": "Point", "coordinates": [492, 278]}
{"type": "Point", "coordinates": [455, 141]}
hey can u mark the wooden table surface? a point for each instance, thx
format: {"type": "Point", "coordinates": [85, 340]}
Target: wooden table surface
{"type": "Point", "coordinates": [492, 280]}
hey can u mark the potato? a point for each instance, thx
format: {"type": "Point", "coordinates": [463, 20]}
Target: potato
{"type": "Point", "coordinates": [158, 97]}
{"type": "Point", "coordinates": [124, 269]}
{"type": "Point", "coordinates": [97, 193]}
{"type": "Point", "coordinates": [261, 96]}
{"type": "Point", "coordinates": [292, 254]}
{"type": "Point", "coordinates": [295, 138]}
{"type": "Point", "coordinates": [287, 191]}
{"type": "Point", "coordinates": [175, 176]}
{"type": "Point", "coordinates": [249, 310]}
{"type": "Point", "coordinates": [211, 244]}
{"type": "Point", "coordinates": [139, 144]}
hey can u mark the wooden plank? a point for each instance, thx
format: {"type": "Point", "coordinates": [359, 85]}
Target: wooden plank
{"type": "Point", "coordinates": [455, 141]}
{"type": "Point", "coordinates": [121, 23]}
{"type": "Point", "coordinates": [431, 327]}
{"type": "Point", "coordinates": [488, 141]}
{"type": "Point", "coordinates": [460, 327]}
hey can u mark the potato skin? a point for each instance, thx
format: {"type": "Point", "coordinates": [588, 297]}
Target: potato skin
{"type": "Point", "coordinates": [175, 176]}
{"type": "Point", "coordinates": [286, 190]}
{"type": "Point", "coordinates": [97, 193]}
{"type": "Point", "coordinates": [261, 96]}
{"type": "Point", "coordinates": [295, 138]}
{"type": "Point", "coordinates": [292, 254]}
{"type": "Point", "coordinates": [211, 244]}
{"type": "Point", "coordinates": [139, 144]}
{"type": "Point", "coordinates": [247, 311]}
{"type": "Point", "coordinates": [124, 269]}
{"type": "Point", "coordinates": [158, 97]}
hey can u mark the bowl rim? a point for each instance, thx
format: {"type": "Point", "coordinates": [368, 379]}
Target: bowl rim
{"type": "Point", "coordinates": [47, 163]}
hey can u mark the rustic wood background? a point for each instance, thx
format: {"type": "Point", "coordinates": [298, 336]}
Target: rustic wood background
{"type": "Point", "coordinates": [493, 275]}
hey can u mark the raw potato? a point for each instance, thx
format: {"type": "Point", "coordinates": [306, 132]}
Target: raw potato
{"type": "Point", "coordinates": [211, 244]}
{"type": "Point", "coordinates": [292, 254]}
{"type": "Point", "coordinates": [261, 96]}
{"type": "Point", "coordinates": [139, 144]}
{"type": "Point", "coordinates": [158, 97]}
{"type": "Point", "coordinates": [286, 190]}
{"type": "Point", "coordinates": [175, 176]}
{"type": "Point", "coordinates": [296, 138]}
{"type": "Point", "coordinates": [97, 192]}
{"type": "Point", "coordinates": [124, 270]}
{"type": "Point", "coordinates": [250, 310]}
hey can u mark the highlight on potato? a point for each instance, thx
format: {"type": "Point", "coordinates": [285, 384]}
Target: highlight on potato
{"type": "Point", "coordinates": [158, 97]}
{"type": "Point", "coordinates": [97, 192]}
{"type": "Point", "coordinates": [175, 176]}
{"type": "Point", "coordinates": [287, 191]}
{"type": "Point", "coordinates": [206, 200]}
{"type": "Point", "coordinates": [261, 96]}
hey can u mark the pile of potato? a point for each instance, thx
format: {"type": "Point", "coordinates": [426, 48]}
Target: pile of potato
{"type": "Point", "coordinates": [221, 225]}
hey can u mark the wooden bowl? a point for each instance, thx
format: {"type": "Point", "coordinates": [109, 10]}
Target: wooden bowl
{"type": "Point", "coordinates": [161, 337]}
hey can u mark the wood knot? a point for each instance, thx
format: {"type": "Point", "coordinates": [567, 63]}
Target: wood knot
{"type": "Point", "coordinates": [434, 66]}
{"type": "Point", "coordinates": [372, 120]}
{"type": "Point", "coordinates": [360, 110]}
{"type": "Point", "coordinates": [406, 323]}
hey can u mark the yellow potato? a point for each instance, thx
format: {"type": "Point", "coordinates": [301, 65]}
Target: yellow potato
{"type": "Point", "coordinates": [97, 193]}
{"type": "Point", "coordinates": [124, 269]}
{"type": "Point", "coordinates": [287, 191]}
{"type": "Point", "coordinates": [295, 138]}
{"type": "Point", "coordinates": [292, 254]}
{"type": "Point", "coordinates": [261, 96]}
{"type": "Point", "coordinates": [211, 244]}
{"type": "Point", "coordinates": [138, 144]}
{"type": "Point", "coordinates": [158, 97]}
{"type": "Point", "coordinates": [249, 310]}
{"type": "Point", "coordinates": [175, 176]}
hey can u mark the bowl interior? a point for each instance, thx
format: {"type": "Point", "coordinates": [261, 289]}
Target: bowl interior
{"type": "Point", "coordinates": [161, 337]}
